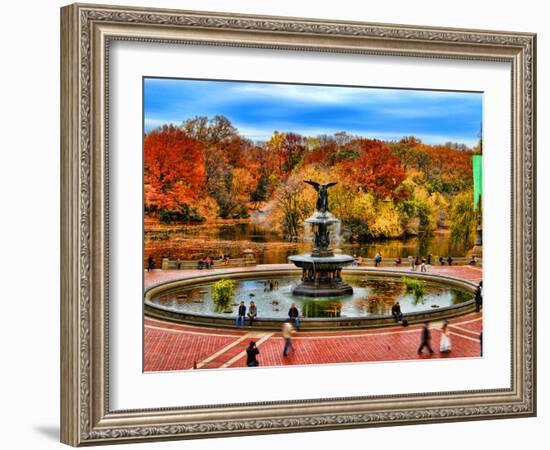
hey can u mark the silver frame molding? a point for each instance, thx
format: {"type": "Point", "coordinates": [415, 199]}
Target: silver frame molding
{"type": "Point", "coordinates": [86, 32]}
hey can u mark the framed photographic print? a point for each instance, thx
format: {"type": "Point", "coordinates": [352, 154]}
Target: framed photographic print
{"type": "Point", "coordinates": [277, 224]}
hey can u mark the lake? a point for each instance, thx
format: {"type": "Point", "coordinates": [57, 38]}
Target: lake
{"type": "Point", "coordinates": [233, 237]}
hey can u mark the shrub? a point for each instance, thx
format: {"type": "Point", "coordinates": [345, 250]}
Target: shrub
{"type": "Point", "coordinates": [222, 294]}
{"type": "Point", "coordinates": [415, 287]}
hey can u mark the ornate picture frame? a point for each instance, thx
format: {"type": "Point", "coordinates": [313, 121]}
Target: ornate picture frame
{"type": "Point", "coordinates": [87, 32]}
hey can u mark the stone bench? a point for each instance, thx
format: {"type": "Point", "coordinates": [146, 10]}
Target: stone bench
{"type": "Point", "coordinates": [181, 264]}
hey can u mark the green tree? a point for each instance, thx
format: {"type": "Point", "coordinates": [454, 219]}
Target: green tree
{"type": "Point", "coordinates": [463, 219]}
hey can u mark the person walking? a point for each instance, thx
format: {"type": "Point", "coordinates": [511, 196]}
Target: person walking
{"type": "Point", "coordinates": [425, 339]}
{"type": "Point", "coordinates": [294, 316]}
{"type": "Point", "coordinates": [252, 313]}
{"type": "Point", "coordinates": [423, 265]}
{"type": "Point", "coordinates": [287, 336]}
{"type": "Point", "coordinates": [481, 343]}
{"type": "Point", "coordinates": [449, 260]}
{"type": "Point", "coordinates": [429, 262]}
{"type": "Point", "coordinates": [411, 262]}
{"type": "Point", "coordinates": [150, 263]}
{"type": "Point", "coordinates": [251, 355]}
{"type": "Point", "coordinates": [445, 345]}
{"type": "Point", "coordinates": [377, 259]}
{"type": "Point", "coordinates": [479, 296]}
{"type": "Point", "coordinates": [241, 314]}
{"type": "Point", "coordinates": [396, 312]}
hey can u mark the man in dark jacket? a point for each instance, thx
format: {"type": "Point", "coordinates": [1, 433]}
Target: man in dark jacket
{"type": "Point", "coordinates": [396, 312]}
{"type": "Point", "coordinates": [241, 314]}
{"type": "Point", "coordinates": [294, 316]}
{"type": "Point", "coordinates": [425, 339]}
{"type": "Point", "coordinates": [251, 353]}
{"type": "Point", "coordinates": [479, 296]}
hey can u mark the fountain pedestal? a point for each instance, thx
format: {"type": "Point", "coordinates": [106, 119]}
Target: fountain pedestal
{"type": "Point", "coordinates": [322, 269]}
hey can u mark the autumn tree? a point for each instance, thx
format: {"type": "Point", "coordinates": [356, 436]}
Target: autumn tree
{"type": "Point", "coordinates": [213, 130]}
{"type": "Point", "coordinates": [292, 206]}
{"type": "Point", "coordinates": [376, 170]}
{"type": "Point", "coordinates": [174, 172]}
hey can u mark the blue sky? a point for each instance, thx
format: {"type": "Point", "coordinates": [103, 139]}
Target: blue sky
{"type": "Point", "coordinates": [257, 109]}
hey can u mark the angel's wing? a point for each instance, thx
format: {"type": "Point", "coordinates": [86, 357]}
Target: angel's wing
{"type": "Point", "coordinates": [313, 183]}
{"type": "Point", "coordinates": [330, 184]}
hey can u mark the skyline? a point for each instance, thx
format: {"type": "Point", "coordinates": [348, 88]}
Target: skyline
{"type": "Point", "coordinates": [258, 109]}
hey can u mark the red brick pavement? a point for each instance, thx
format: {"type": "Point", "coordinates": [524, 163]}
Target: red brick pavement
{"type": "Point", "coordinates": [170, 346]}
{"type": "Point", "coordinates": [180, 347]}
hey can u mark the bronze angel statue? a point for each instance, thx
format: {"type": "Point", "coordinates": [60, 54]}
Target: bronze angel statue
{"type": "Point", "coordinates": [322, 194]}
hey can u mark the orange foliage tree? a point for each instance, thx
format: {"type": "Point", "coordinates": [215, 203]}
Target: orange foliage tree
{"type": "Point", "coordinates": [174, 171]}
{"type": "Point", "coordinates": [376, 170]}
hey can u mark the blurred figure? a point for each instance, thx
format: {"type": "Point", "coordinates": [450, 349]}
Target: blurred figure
{"type": "Point", "coordinates": [445, 342]}
{"type": "Point", "coordinates": [287, 336]}
{"type": "Point", "coordinates": [479, 296]}
{"type": "Point", "coordinates": [251, 355]}
{"type": "Point", "coordinates": [150, 263]}
{"type": "Point", "coordinates": [425, 338]}
{"type": "Point", "coordinates": [377, 259]}
{"type": "Point", "coordinates": [481, 343]}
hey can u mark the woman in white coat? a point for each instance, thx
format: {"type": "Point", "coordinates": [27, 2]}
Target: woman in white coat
{"type": "Point", "coordinates": [445, 345]}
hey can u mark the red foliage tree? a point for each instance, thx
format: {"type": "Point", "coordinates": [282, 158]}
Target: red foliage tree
{"type": "Point", "coordinates": [376, 170]}
{"type": "Point", "coordinates": [174, 169]}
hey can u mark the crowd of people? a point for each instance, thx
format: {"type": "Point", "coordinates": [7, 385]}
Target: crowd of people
{"type": "Point", "coordinates": [289, 327]}
{"type": "Point", "coordinates": [205, 263]}
{"type": "Point", "coordinates": [416, 263]}
{"type": "Point", "coordinates": [445, 342]}
{"type": "Point", "coordinates": [208, 263]}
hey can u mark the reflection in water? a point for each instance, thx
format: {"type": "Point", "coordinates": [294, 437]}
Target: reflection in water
{"type": "Point", "coordinates": [321, 308]}
{"type": "Point", "coordinates": [371, 296]}
{"type": "Point", "coordinates": [232, 238]}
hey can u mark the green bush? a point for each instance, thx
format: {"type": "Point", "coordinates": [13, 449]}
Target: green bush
{"type": "Point", "coordinates": [222, 294]}
{"type": "Point", "coordinates": [415, 287]}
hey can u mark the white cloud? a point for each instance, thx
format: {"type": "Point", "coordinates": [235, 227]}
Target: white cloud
{"type": "Point", "coordinates": [343, 95]}
{"type": "Point", "coordinates": [263, 134]}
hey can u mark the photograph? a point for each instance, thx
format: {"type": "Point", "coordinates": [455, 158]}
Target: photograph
{"type": "Point", "coordinates": [289, 224]}
{"type": "Point", "coordinates": [291, 221]}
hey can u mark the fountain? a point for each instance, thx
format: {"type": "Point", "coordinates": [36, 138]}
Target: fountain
{"type": "Point", "coordinates": [322, 269]}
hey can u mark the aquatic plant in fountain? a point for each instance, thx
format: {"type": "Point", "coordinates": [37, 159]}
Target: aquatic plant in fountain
{"type": "Point", "coordinates": [223, 292]}
{"type": "Point", "coordinates": [322, 269]}
{"type": "Point", "coordinates": [415, 287]}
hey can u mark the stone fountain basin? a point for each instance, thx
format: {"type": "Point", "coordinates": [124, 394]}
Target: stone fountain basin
{"type": "Point", "coordinates": [326, 220]}
{"type": "Point", "coordinates": [335, 259]}
{"type": "Point", "coordinates": [154, 310]}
